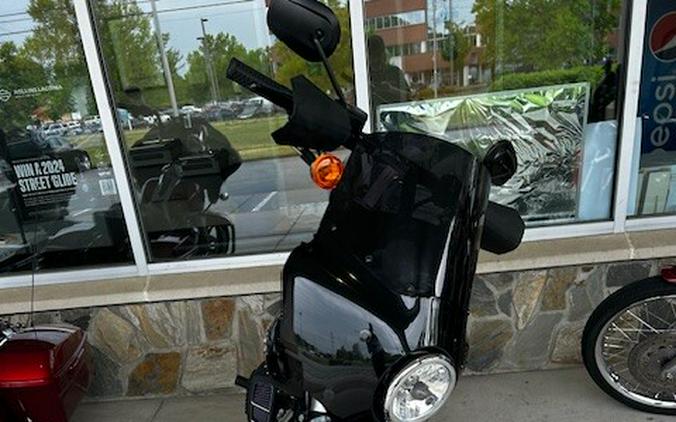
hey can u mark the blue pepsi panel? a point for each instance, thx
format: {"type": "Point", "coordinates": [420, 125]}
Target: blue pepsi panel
{"type": "Point", "coordinates": [658, 82]}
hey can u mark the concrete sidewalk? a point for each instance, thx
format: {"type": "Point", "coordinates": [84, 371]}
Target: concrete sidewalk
{"type": "Point", "coordinates": [564, 395]}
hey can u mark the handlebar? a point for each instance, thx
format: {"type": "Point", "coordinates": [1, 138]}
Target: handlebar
{"type": "Point", "coordinates": [282, 96]}
{"type": "Point", "coordinates": [504, 226]}
{"type": "Point", "coordinates": [260, 84]}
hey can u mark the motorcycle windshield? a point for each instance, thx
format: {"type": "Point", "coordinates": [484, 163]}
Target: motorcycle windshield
{"type": "Point", "coordinates": [408, 211]}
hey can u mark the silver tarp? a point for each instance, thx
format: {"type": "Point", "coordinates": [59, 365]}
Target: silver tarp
{"type": "Point", "coordinates": [545, 125]}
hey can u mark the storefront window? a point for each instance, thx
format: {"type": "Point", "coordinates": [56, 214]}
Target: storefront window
{"type": "Point", "coordinates": [58, 198]}
{"type": "Point", "coordinates": [544, 75]}
{"type": "Point", "coordinates": [208, 179]}
{"type": "Point", "coordinates": [654, 182]}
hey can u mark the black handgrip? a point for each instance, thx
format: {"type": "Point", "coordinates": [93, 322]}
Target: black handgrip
{"type": "Point", "coordinates": [503, 230]}
{"type": "Point", "coordinates": [260, 84]}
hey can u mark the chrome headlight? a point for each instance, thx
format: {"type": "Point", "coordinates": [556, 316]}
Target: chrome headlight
{"type": "Point", "coordinates": [420, 389]}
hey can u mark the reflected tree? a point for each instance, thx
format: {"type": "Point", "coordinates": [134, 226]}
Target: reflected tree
{"type": "Point", "coordinates": [222, 48]}
{"type": "Point", "coordinates": [47, 57]}
{"type": "Point", "coordinates": [18, 70]}
{"type": "Point", "coordinates": [288, 64]}
{"type": "Point", "coordinates": [127, 42]}
{"type": "Point", "coordinates": [455, 46]}
{"type": "Point", "coordinates": [536, 35]}
{"type": "Point", "coordinates": [132, 53]}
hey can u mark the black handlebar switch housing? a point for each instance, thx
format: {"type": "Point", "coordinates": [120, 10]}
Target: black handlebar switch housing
{"type": "Point", "coordinates": [317, 121]}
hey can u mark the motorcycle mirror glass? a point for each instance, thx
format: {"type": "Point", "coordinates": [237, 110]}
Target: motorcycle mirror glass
{"type": "Point", "coordinates": [501, 162]}
{"type": "Point", "coordinates": [297, 23]}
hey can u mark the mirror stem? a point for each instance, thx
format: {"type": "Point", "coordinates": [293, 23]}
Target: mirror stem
{"type": "Point", "coordinates": [307, 155]}
{"type": "Point", "coordinates": [329, 70]}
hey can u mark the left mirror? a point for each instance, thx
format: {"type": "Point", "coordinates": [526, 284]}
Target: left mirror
{"type": "Point", "coordinates": [298, 23]}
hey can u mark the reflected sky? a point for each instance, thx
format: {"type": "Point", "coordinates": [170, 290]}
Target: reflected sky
{"type": "Point", "coordinates": [15, 24]}
{"type": "Point", "coordinates": [245, 19]}
{"type": "Point", "coordinates": [462, 11]}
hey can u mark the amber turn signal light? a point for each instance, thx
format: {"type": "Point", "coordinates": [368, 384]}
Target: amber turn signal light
{"type": "Point", "coordinates": [326, 171]}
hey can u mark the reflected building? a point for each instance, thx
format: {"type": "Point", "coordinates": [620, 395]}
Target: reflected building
{"type": "Point", "coordinates": [413, 45]}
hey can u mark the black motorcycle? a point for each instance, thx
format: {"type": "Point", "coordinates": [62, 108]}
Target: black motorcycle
{"type": "Point", "coordinates": [179, 167]}
{"type": "Point", "coordinates": [375, 307]}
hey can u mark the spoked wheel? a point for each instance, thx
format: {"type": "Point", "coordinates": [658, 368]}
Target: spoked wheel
{"type": "Point", "coordinates": [629, 346]}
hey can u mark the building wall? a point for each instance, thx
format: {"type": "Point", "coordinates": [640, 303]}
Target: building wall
{"type": "Point", "coordinates": [519, 321]}
{"type": "Point", "coordinates": [386, 7]}
{"type": "Point", "coordinates": [404, 35]}
{"type": "Point", "coordinates": [423, 63]}
{"type": "Point", "coordinates": [410, 34]}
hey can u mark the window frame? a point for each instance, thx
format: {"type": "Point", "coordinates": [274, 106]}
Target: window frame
{"type": "Point", "coordinates": [142, 267]}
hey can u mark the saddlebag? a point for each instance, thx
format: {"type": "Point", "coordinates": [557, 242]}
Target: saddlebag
{"type": "Point", "coordinates": [44, 373]}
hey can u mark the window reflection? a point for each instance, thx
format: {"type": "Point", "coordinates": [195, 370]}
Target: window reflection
{"type": "Point", "coordinates": [544, 75]}
{"type": "Point", "coordinates": [209, 180]}
{"type": "Point", "coordinates": [58, 198]}
{"type": "Point", "coordinates": [396, 20]}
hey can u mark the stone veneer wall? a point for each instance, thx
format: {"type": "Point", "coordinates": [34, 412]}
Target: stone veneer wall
{"type": "Point", "coordinates": [519, 321]}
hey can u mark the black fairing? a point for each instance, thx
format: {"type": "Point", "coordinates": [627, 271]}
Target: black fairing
{"type": "Point", "coordinates": [389, 271]}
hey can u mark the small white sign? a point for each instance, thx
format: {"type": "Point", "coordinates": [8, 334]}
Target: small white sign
{"type": "Point", "coordinates": [108, 187]}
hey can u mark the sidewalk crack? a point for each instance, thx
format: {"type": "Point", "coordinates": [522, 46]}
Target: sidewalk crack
{"type": "Point", "coordinates": [157, 411]}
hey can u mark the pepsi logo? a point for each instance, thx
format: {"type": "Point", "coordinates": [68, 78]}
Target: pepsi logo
{"type": "Point", "coordinates": [5, 95]}
{"type": "Point", "coordinates": [663, 38]}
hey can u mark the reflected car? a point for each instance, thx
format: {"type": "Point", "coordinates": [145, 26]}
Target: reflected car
{"type": "Point", "coordinates": [190, 110]}
{"type": "Point", "coordinates": [219, 112]}
{"type": "Point", "coordinates": [91, 120]}
{"type": "Point", "coordinates": [256, 106]}
{"type": "Point", "coordinates": [55, 129]}
{"type": "Point", "coordinates": [152, 119]}
{"type": "Point", "coordinates": [90, 128]}
{"type": "Point", "coordinates": [250, 110]}
{"type": "Point", "coordinates": [73, 128]}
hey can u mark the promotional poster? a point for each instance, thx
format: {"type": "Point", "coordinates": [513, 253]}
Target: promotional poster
{"type": "Point", "coordinates": [44, 181]}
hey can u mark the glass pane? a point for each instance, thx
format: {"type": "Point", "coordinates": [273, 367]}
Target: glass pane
{"type": "Point", "coordinates": [653, 188]}
{"type": "Point", "coordinates": [544, 75]}
{"type": "Point", "coordinates": [209, 180]}
{"type": "Point", "coordinates": [58, 198]}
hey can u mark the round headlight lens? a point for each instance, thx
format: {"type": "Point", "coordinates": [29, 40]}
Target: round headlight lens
{"type": "Point", "coordinates": [420, 389]}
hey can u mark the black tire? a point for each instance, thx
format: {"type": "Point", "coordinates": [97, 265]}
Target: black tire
{"type": "Point", "coordinates": [607, 310]}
